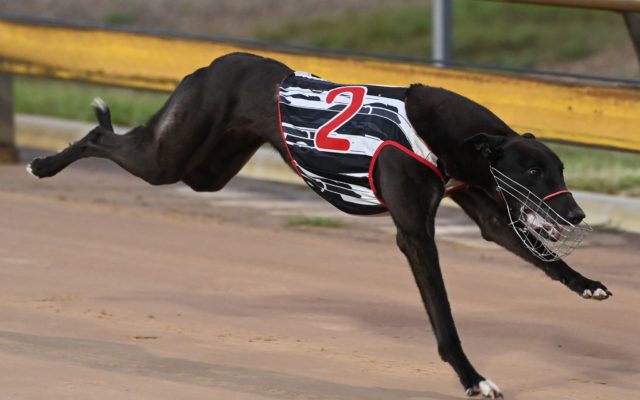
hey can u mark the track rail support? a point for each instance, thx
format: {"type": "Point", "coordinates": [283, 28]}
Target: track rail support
{"type": "Point", "coordinates": [632, 19]}
{"type": "Point", "coordinates": [8, 150]}
{"type": "Point", "coordinates": [442, 39]}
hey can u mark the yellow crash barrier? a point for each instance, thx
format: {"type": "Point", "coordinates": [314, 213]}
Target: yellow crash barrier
{"type": "Point", "coordinates": [596, 116]}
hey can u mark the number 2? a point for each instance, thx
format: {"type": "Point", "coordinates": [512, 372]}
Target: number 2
{"type": "Point", "coordinates": [323, 140]}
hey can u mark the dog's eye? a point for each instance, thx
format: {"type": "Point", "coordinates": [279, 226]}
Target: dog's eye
{"type": "Point", "coordinates": [534, 172]}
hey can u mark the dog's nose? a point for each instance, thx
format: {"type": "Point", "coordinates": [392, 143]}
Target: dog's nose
{"type": "Point", "coordinates": [575, 216]}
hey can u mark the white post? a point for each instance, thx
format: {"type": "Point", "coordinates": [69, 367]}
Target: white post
{"type": "Point", "coordinates": [8, 152]}
{"type": "Point", "coordinates": [633, 25]}
{"type": "Point", "coordinates": [442, 32]}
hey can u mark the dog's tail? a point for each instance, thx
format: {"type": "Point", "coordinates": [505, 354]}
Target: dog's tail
{"type": "Point", "coordinates": [102, 113]}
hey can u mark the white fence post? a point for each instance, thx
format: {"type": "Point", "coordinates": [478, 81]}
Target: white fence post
{"type": "Point", "coordinates": [633, 25]}
{"type": "Point", "coordinates": [442, 32]}
{"type": "Point", "coordinates": [8, 152]}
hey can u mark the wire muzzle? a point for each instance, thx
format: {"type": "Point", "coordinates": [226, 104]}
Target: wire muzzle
{"type": "Point", "coordinates": [544, 232]}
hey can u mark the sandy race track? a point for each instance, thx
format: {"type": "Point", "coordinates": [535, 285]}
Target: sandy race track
{"type": "Point", "coordinates": [113, 289]}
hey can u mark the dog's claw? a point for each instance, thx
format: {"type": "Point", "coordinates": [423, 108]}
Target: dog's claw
{"type": "Point", "coordinates": [486, 388]}
{"type": "Point", "coordinates": [589, 289]}
{"type": "Point", "coordinates": [597, 294]}
{"type": "Point", "coordinates": [600, 294]}
{"type": "Point", "coordinates": [99, 104]}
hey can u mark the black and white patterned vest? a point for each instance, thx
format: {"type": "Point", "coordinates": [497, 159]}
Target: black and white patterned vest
{"type": "Point", "coordinates": [334, 133]}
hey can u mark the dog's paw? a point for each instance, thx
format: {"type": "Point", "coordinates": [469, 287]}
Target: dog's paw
{"type": "Point", "coordinates": [99, 104]}
{"type": "Point", "coordinates": [598, 294]}
{"type": "Point", "coordinates": [38, 168]}
{"type": "Point", "coordinates": [485, 388]}
{"type": "Point", "coordinates": [595, 290]}
{"type": "Point", "coordinates": [33, 167]}
{"type": "Point", "coordinates": [29, 169]}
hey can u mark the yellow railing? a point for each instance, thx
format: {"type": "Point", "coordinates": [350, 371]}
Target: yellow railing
{"type": "Point", "coordinates": [597, 116]}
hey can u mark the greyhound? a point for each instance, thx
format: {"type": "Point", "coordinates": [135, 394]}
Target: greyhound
{"type": "Point", "coordinates": [218, 117]}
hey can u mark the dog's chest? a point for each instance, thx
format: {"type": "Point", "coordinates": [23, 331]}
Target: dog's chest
{"type": "Point", "coordinates": [334, 133]}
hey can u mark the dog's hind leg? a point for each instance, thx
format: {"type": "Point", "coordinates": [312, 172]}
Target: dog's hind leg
{"type": "Point", "coordinates": [221, 164]}
{"type": "Point", "coordinates": [492, 219]}
{"type": "Point", "coordinates": [126, 150]}
{"type": "Point", "coordinates": [212, 123]}
{"type": "Point", "coordinates": [158, 151]}
{"type": "Point", "coordinates": [91, 145]}
{"type": "Point", "coordinates": [412, 194]}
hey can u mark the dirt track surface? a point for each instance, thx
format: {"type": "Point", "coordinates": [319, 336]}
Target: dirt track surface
{"type": "Point", "coordinates": [112, 289]}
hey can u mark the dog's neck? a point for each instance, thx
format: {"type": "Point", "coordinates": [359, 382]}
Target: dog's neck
{"type": "Point", "coordinates": [444, 120]}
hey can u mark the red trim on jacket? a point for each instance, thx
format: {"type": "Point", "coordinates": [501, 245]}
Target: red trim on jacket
{"type": "Point", "coordinates": [397, 145]}
{"type": "Point", "coordinates": [284, 140]}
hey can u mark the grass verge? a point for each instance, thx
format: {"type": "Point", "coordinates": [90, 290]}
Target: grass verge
{"type": "Point", "coordinates": [508, 34]}
{"type": "Point", "coordinates": [316, 222]}
{"type": "Point", "coordinates": [598, 170]}
{"type": "Point", "coordinates": [67, 99]}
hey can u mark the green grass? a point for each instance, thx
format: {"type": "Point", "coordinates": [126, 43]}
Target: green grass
{"type": "Point", "coordinates": [598, 170]}
{"type": "Point", "coordinates": [119, 18]}
{"type": "Point", "coordinates": [509, 34]}
{"type": "Point", "coordinates": [317, 222]}
{"type": "Point", "coordinates": [72, 100]}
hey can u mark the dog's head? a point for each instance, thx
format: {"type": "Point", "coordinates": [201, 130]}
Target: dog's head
{"type": "Point", "coordinates": [535, 167]}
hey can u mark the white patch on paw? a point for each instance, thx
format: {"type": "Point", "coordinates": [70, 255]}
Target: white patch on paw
{"type": "Point", "coordinates": [600, 294]}
{"type": "Point", "coordinates": [587, 294]}
{"type": "Point", "coordinates": [486, 388]}
{"type": "Point", "coordinates": [490, 389]}
{"type": "Point", "coordinates": [30, 170]}
{"type": "Point", "coordinates": [99, 104]}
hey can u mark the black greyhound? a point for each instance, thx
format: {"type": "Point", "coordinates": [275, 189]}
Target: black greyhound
{"type": "Point", "coordinates": [220, 115]}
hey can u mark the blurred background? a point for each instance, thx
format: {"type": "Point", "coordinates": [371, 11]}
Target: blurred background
{"type": "Point", "coordinates": [553, 38]}
{"type": "Point", "coordinates": [519, 36]}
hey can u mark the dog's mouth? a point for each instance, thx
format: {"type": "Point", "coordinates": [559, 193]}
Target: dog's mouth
{"type": "Point", "coordinates": [544, 228]}
{"type": "Point", "coordinates": [545, 233]}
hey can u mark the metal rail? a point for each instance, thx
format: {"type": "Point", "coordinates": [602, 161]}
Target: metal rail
{"type": "Point", "coordinates": [442, 37]}
{"type": "Point", "coordinates": [611, 5]}
{"type": "Point", "coordinates": [8, 152]}
{"type": "Point", "coordinates": [630, 10]}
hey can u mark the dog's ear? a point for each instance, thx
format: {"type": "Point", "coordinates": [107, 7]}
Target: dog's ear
{"type": "Point", "coordinates": [528, 135]}
{"type": "Point", "coordinates": [489, 146]}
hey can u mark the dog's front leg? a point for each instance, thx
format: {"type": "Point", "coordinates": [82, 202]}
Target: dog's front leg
{"type": "Point", "coordinates": [420, 250]}
{"type": "Point", "coordinates": [412, 194]}
{"type": "Point", "coordinates": [494, 225]}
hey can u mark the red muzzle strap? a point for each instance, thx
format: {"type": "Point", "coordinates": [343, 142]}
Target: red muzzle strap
{"type": "Point", "coordinates": [558, 193]}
